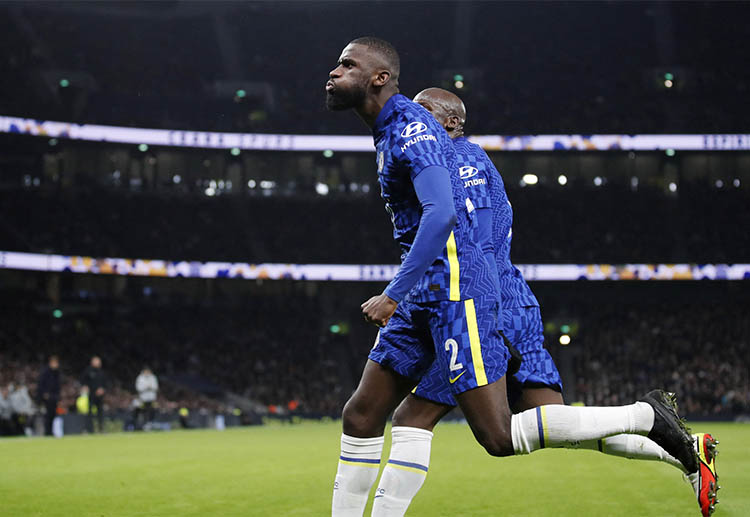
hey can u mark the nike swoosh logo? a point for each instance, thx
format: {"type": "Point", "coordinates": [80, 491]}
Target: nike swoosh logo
{"type": "Point", "coordinates": [456, 378]}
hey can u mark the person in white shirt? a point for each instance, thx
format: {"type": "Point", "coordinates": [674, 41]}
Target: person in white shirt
{"type": "Point", "coordinates": [147, 386]}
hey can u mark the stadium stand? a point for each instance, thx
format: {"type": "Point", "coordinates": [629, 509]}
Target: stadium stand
{"type": "Point", "coordinates": [229, 338]}
{"type": "Point", "coordinates": [595, 88]}
{"type": "Point", "coordinates": [612, 224]}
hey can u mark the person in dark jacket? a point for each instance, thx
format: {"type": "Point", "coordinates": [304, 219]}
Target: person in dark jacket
{"type": "Point", "coordinates": [96, 381]}
{"type": "Point", "coordinates": [48, 392]}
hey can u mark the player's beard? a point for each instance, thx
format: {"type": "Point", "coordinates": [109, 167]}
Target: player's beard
{"type": "Point", "coordinates": [340, 99]}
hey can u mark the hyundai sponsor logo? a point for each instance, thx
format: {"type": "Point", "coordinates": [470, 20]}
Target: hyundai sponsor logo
{"type": "Point", "coordinates": [467, 172]}
{"type": "Point", "coordinates": [416, 140]}
{"type": "Point", "coordinates": [413, 129]}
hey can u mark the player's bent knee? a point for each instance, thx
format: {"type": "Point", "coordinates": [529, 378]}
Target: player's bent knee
{"type": "Point", "coordinates": [360, 423]}
{"type": "Point", "coordinates": [496, 440]}
{"type": "Point", "coordinates": [419, 413]}
{"type": "Point", "coordinates": [498, 446]}
{"type": "Point", "coordinates": [404, 418]}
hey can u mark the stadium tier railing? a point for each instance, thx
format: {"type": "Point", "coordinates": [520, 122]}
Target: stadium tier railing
{"type": "Point", "coordinates": [289, 142]}
{"type": "Point", "coordinates": [352, 272]}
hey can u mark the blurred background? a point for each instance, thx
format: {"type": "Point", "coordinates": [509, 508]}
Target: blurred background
{"type": "Point", "coordinates": [245, 350]}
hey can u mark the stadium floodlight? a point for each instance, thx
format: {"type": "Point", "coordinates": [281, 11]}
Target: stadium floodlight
{"type": "Point", "coordinates": [562, 179]}
{"type": "Point", "coordinates": [565, 328]}
{"type": "Point", "coordinates": [176, 179]}
{"type": "Point", "coordinates": [672, 186]}
{"type": "Point", "coordinates": [736, 182]}
{"type": "Point", "coordinates": [335, 329]}
{"type": "Point", "coordinates": [458, 77]}
{"type": "Point", "coordinates": [669, 76]}
{"type": "Point", "coordinates": [210, 191]}
{"type": "Point", "coordinates": [321, 188]}
{"type": "Point", "coordinates": [251, 183]}
{"type": "Point", "coordinates": [57, 313]}
{"type": "Point", "coordinates": [241, 94]}
{"type": "Point", "coordinates": [235, 151]}
{"type": "Point", "coordinates": [64, 83]}
{"type": "Point", "coordinates": [143, 147]}
{"type": "Point", "coordinates": [458, 84]}
{"type": "Point", "coordinates": [719, 184]}
{"type": "Point", "coordinates": [530, 179]}
{"type": "Point", "coordinates": [328, 153]}
{"type": "Point", "coordinates": [565, 340]}
{"type": "Point", "coordinates": [668, 83]}
{"type": "Point", "coordinates": [598, 181]}
{"type": "Point", "coordinates": [670, 152]}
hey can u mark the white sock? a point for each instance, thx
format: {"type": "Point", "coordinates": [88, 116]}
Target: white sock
{"type": "Point", "coordinates": [359, 464]}
{"type": "Point", "coordinates": [633, 447]}
{"type": "Point", "coordinates": [567, 426]}
{"type": "Point", "coordinates": [637, 447]}
{"type": "Point", "coordinates": [404, 473]}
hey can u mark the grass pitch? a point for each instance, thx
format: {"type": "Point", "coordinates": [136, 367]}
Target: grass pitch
{"type": "Point", "coordinates": [288, 470]}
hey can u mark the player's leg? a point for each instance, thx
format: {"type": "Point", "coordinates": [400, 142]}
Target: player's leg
{"type": "Point", "coordinates": [379, 392]}
{"type": "Point", "coordinates": [397, 358]}
{"type": "Point", "coordinates": [409, 458]}
{"type": "Point", "coordinates": [631, 446]}
{"type": "Point", "coordinates": [532, 397]}
{"type": "Point", "coordinates": [364, 418]}
{"type": "Point", "coordinates": [482, 396]}
{"type": "Point", "coordinates": [538, 383]}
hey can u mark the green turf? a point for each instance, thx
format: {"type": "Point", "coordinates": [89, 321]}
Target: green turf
{"type": "Point", "coordinates": [288, 471]}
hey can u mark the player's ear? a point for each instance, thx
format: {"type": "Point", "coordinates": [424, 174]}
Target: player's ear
{"type": "Point", "coordinates": [452, 122]}
{"type": "Point", "coordinates": [382, 78]}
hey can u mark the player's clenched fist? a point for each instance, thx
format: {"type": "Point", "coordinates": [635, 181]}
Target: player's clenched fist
{"type": "Point", "coordinates": [379, 309]}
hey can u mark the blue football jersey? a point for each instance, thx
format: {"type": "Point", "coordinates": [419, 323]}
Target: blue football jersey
{"type": "Point", "coordinates": [485, 187]}
{"type": "Point", "coordinates": [407, 141]}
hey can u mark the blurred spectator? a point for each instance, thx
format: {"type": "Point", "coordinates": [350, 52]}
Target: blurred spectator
{"type": "Point", "coordinates": [6, 412]}
{"type": "Point", "coordinates": [48, 392]}
{"type": "Point", "coordinates": [147, 386]}
{"type": "Point", "coordinates": [22, 407]}
{"type": "Point", "coordinates": [96, 381]}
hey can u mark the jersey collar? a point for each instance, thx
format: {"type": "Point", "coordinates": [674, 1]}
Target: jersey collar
{"type": "Point", "coordinates": [382, 120]}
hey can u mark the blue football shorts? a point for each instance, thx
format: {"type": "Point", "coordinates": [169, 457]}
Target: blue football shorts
{"type": "Point", "coordinates": [458, 341]}
{"type": "Point", "coordinates": [523, 328]}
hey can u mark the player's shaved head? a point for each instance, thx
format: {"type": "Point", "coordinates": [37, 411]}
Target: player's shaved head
{"type": "Point", "coordinates": [382, 50]}
{"type": "Point", "coordinates": [446, 107]}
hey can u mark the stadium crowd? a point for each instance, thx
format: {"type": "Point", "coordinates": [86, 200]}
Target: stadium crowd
{"type": "Point", "coordinates": [198, 350]}
{"type": "Point", "coordinates": [578, 225]}
{"type": "Point", "coordinates": [696, 350]}
{"type": "Point", "coordinates": [298, 363]}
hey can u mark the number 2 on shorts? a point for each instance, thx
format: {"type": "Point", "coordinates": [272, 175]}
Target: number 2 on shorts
{"type": "Point", "coordinates": [452, 346]}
